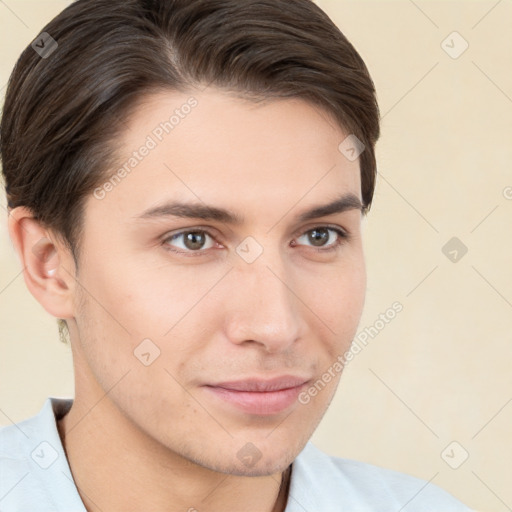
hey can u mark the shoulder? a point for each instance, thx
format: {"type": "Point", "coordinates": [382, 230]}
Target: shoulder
{"type": "Point", "coordinates": [16, 462]}
{"type": "Point", "coordinates": [344, 483]}
{"type": "Point", "coordinates": [33, 466]}
{"type": "Point", "coordinates": [20, 441]}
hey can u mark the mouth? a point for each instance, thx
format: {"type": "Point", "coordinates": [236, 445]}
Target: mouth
{"type": "Point", "coordinates": [259, 396]}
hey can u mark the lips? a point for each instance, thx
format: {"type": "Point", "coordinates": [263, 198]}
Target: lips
{"type": "Point", "coordinates": [259, 396]}
{"type": "Point", "coordinates": [260, 385]}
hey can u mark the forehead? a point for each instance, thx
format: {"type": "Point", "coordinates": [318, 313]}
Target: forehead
{"type": "Point", "coordinates": [220, 149]}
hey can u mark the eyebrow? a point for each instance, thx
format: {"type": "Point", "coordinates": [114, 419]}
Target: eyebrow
{"type": "Point", "coordinates": [343, 203]}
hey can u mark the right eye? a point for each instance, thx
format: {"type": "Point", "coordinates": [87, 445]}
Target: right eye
{"type": "Point", "coordinates": [192, 241]}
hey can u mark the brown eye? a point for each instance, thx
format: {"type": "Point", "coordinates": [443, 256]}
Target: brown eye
{"type": "Point", "coordinates": [192, 241]}
{"type": "Point", "coordinates": [320, 236]}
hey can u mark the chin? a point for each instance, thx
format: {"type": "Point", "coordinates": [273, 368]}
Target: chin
{"type": "Point", "coordinates": [248, 460]}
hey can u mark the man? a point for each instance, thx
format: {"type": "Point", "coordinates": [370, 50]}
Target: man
{"type": "Point", "coordinates": [186, 183]}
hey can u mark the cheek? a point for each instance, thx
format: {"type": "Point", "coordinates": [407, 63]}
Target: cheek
{"type": "Point", "coordinates": [337, 297]}
{"type": "Point", "coordinates": [129, 358]}
{"type": "Point", "coordinates": [134, 310]}
{"type": "Point", "coordinates": [141, 298]}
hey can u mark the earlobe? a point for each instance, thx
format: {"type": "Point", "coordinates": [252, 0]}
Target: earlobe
{"type": "Point", "coordinates": [48, 269]}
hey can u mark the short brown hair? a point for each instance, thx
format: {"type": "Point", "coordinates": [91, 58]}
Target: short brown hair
{"type": "Point", "coordinates": [63, 114]}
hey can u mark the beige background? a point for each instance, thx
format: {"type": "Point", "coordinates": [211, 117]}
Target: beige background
{"type": "Point", "coordinates": [441, 370]}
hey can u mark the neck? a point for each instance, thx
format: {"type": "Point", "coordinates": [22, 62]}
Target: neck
{"type": "Point", "coordinates": [133, 472]}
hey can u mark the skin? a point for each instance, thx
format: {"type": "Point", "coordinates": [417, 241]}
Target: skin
{"type": "Point", "coordinates": [157, 440]}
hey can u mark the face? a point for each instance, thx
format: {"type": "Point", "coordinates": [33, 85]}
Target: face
{"type": "Point", "coordinates": [209, 334]}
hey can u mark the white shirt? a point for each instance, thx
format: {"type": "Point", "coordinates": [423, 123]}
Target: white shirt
{"type": "Point", "coordinates": [35, 476]}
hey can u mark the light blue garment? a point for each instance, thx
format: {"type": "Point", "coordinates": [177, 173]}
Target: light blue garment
{"type": "Point", "coordinates": [35, 476]}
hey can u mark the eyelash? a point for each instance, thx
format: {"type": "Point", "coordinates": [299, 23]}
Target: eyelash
{"type": "Point", "coordinates": [343, 236]}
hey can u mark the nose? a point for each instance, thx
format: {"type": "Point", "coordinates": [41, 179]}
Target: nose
{"type": "Point", "coordinates": [262, 307]}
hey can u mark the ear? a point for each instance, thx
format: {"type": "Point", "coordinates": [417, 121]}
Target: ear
{"type": "Point", "coordinates": [48, 266]}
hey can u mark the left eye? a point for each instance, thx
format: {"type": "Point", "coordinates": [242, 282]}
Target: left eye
{"type": "Point", "coordinates": [193, 241]}
{"type": "Point", "coordinates": [319, 236]}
